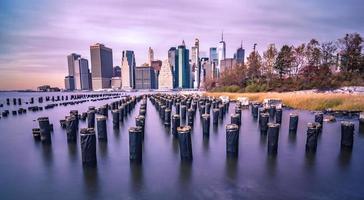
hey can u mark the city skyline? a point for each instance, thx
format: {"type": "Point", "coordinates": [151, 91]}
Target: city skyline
{"type": "Point", "coordinates": [34, 43]}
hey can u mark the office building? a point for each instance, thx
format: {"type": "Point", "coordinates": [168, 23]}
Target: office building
{"type": "Point", "coordinates": [128, 70]}
{"type": "Point", "coordinates": [101, 66]}
{"type": "Point", "coordinates": [184, 71]}
{"type": "Point", "coordinates": [150, 56]}
{"type": "Point", "coordinates": [206, 71]}
{"type": "Point", "coordinates": [173, 62]}
{"type": "Point", "coordinates": [156, 65]}
{"type": "Point", "coordinates": [144, 78]}
{"type": "Point", "coordinates": [69, 83]}
{"type": "Point", "coordinates": [116, 82]}
{"type": "Point", "coordinates": [116, 71]}
{"type": "Point", "coordinates": [166, 76]}
{"type": "Point", "coordinates": [227, 64]}
{"type": "Point", "coordinates": [82, 74]}
{"type": "Point", "coordinates": [195, 64]}
{"type": "Point", "coordinates": [240, 55]}
{"type": "Point", "coordinates": [221, 54]}
{"type": "Point", "coordinates": [71, 63]}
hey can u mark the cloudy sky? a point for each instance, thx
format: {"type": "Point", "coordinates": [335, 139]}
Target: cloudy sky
{"type": "Point", "coordinates": [37, 35]}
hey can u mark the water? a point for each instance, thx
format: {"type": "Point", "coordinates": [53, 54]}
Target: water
{"type": "Point", "coordinates": [30, 170]}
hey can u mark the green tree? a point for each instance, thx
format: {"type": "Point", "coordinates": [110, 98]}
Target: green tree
{"type": "Point", "coordinates": [284, 61]}
{"type": "Point", "coordinates": [350, 50]}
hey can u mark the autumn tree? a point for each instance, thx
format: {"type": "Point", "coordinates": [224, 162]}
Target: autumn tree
{"type": "Point", "coordinates": [350, 50]}
{"type": "Point", "coordinates": [313, 53]}
{"type": "Point", "coordinates": [284, 61]}
{"type": "Point", "coordinates": [254, 63]}
{"type": "Point", "coordinates": [328, 54]}
{"type": "Point", "coordinates": [299, 59]}
{"type": "Point", "coordinates": [269, 58]}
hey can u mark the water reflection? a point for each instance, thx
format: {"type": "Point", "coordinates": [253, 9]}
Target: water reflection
{"type": "Point", "coordinates": [103, 148]}
{"type": "Point", "coordinates": [72, 151]}
{"type": "Point", "coordinates": [185, 171]}
{"type": "Point", "coordinates": [271, 162]}
{"type": "Point", "coordinates": [310, 159]}
{"type": "Point", "coordinates": [231, 166]}
{"type": "Point", "coordinates": [136, 176]}
{"type": "Point", "coordinates": [205, 143]}
{"type": "Point", "coordinates": [91, 179]}
{"type": "Point", "coordinates": [263, 139]}
{"type": "Point", "coordinates": [292, 138]}
{"type": "Point", "coordinates": [47, 154]}
{"type": "Point", "coordinates": [345, 157]}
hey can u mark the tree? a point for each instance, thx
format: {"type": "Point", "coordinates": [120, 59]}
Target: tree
{"type": "Point", "coordinates": [313, 53]}
{"type": "Point", "coordinates": [254, 63]}
{"type": "Point", "coordinates": [284, 61]}
{"type": "Point", "coordinates": [299, 59]}
{"type": "Point", "coordinates": [350, 50]}
{"type": "Point", "coordinates": [269, 58]}
{"type": "Point", "coordinates": [328, 56]}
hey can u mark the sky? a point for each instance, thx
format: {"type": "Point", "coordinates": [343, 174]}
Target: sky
{"type": "Point", "coordinates": [37, 35]}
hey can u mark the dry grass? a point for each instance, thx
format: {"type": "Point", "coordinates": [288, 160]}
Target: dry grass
{"type": "Point", "coordinates": [306, 101]}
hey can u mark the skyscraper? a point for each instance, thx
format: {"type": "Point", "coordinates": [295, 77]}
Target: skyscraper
{"type": "Point", "coordinates": [213, 61]}
{"type": "Point", "coordinates": [71, 70]}
{"type": "Point", "coordinates": [116, 71]}
{"type": "Point", "coordinates": [156, 65]}
{"type": "Point", "coordinates": [184, 70]}
{"type": "Point", "coordinates": [71, 63]}
{"type": "Point", "coordinates": [144, 77]}
{"type": "Point", "coordinates": [101, 66]}
{"type": "Point", "coordinates": [205, 70]}
{"type": "Point", "coordinates": [150, 56]}
{"type": "Point", "coordinates": [165, 76]}
{"type": "Point", "coordinates": [221, 51]}
{"type": "Point", "coordinates": [82, 74]}
{"type": "Point", "coordinates": [69, 83]}
{"type": "Point", "coordinates": [240, 55]}
{"type": "Point", "coordinates": [173, 62]}
{"type": "Point", "coordinates": [195, 62]}
{"type": "Point", "coordinates": [128, 70]}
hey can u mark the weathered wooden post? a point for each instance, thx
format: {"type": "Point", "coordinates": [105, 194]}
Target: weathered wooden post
{"type": "Point", "coordinates": [88, 147]}
{"type": "Point", "coordinates": [232, 140]}
{"type": "Point", "coordinates": [347, 134]}
{"type": "Point", "coordinates": [273, 133]}
{"type": "Point", "coordinates": [101, 127]}
{"type": "Point", "coordinates": [185, 145]}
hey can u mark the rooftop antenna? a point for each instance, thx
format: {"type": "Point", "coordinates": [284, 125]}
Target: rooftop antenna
{"type": "Point", "coordinates": [222, 35]}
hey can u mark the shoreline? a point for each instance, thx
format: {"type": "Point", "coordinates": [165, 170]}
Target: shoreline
{"type": "Point", "coordinates": [305, 100]}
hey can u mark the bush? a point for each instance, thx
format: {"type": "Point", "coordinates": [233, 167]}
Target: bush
{"type": "Point", "coordinates": [256, 87]}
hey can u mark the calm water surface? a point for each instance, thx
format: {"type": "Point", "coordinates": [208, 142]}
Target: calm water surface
{"type": "Point", "coordinates": [30, 170]}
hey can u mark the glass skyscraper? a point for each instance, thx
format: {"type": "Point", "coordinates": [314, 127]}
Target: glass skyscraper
{"type": "Point", "coordinates": [101, 66]}
{"type": "Point", "coordinates": [184, 71]}
{"type": "Point", "coordinates": [173, 62]}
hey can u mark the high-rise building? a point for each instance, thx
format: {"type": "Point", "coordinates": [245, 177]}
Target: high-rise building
{"type": "Point", "coordinates": [71, 63]}
{"type": "Point", "coordinates": [165, 76]}
{"type": "Point", "coordinates": [184, 71]}
{"type": "Point", "coordinates": [150, 56]}
{"type": "Point", "coordinates": [71, 66]}
{"type": "Point", "coordinates": [101, 66]}
{"type": "Point", "coordinates": [195, 63]}
{"type": "Point", "coordinates": [144, 77]}
{"type": "Point", "coordinates": [205, 70]}
{"type": "Point", "coordinates": [240, 55]}
{"type": "Point", "coordinates": [221, 53]}
{"type": "Point", "coordinates": [69, 83]}
{"type": "Point", "coordinates": [227, 64]}
{"type": "Point", "coordinates": [128, 70]}
{"type": "Point", "coordinates": [156, 65]}
{"type": "Point", "coordinates": [173, 62]}
{"type": "Point", "coordinates": [116, 71]}
{"type": "Point", "coordinates": [82, 74]}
